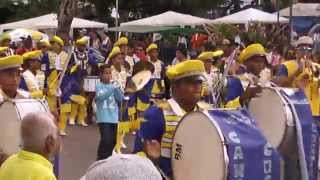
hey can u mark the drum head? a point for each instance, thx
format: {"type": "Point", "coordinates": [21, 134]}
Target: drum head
{"type": "Point", "coordinates": [9, 128]}
{"type": "Point", "coordinates": [141, 79]}
{"type": "Point", "coordinates": [198, 151]}
{"type": "Point", "coordinates": [269, 112]}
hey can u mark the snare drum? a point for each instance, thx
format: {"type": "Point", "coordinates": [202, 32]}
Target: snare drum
{"type": "Point", "coordinates": [220, 145]}
{"type": "Point", "coordinates": [275, 118]}
{"type": "Point", "coordinates": [12, 112]}
{"type": "Point", "coordinates": [90, 82]}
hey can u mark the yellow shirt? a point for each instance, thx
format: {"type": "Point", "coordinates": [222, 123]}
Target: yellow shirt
{"type": "Point", "coordinates": [312, 89]}
{"type": "Point", "coordinates": [26, 166]}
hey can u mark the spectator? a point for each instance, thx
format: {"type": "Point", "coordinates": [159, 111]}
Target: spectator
{"type": "Point", "coordinates": [123, 167]}
{"type": "Point", "coordinates": [107, 98]}
{"type": "Point", "coordinates": [40, 142]}
{"type": "Point", "coordinates": [181, 55]}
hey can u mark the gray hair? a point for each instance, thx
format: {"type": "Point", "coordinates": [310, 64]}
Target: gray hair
{"type": "Point", "coordinates": [123, 167]}
{"type": "Point", "coordinates": [35, 128]}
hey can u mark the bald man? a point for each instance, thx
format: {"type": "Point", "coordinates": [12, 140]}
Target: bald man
{"type": "Point", "coordinates": [40, 142]}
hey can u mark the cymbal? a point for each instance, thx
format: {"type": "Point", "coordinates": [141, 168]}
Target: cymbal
{"type": "Point", "coordinates": [141, 79]}
{"type": "Point", "coordinates": [138, 81]}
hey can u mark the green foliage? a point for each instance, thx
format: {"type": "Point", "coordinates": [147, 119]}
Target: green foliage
{"type": "Point", "coordinates": [17, 10]}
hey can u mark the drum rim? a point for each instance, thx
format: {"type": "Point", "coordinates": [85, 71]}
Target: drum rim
{"type": "Point", "coordinates": [285, 107]}
{"type": "Point", "coordinates": [222, 138]}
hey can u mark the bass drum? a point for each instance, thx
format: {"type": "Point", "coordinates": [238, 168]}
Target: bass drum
{"type": "Point", "coordinates": [275, 118]}
{"type": "Point", "coordinates": [12, 112]}
{"type": "Point", "coordinates": [222, 144]}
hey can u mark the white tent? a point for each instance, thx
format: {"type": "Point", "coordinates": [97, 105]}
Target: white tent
{"type": "Point", "coordinates": [302, 9]}
{"type": "Point", "coordinates": [250, 15]}
{"type": "Point", "coordinates": [50, 21]}
{"type": "Point", "coordinates": [168, 18]}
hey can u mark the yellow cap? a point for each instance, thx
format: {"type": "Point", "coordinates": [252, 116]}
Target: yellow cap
{"type": "Point", "coordinates": [251, 50]}
{"type": "Point", "coordinates": [58, 40]}
{"type": "Point", "coordinates": [3, 48]}
{"type": "Point", "coordinates": [5, 36]}
{"type": "Point", "coordinates": [208, 55]}
{"type": "Point", "coordinates": [82, 41]}
{"type": "Point", "coordinates": [122, 41]}
{"type": "Point", "coordinates": [151, 47]}
{"type": "Point", "coordinates": [32, 55]}
{"type": "Point", "coordinates": [8, 62]}
{"type": "Point", "coordinates": [115, 51]}
{"type": "Point", "coordinates": [45, 43]}
{"type": "Point", "coordinates": [186, 69]}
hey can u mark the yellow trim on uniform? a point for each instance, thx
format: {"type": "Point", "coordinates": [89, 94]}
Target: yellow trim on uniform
{"type": "Point", "coordinates": [233, 103]}
{"type": "Point", "coordinates": [78, 99]}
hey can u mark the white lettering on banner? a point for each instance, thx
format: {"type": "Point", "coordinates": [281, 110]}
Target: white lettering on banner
{"type": "Point", "coordinates": [267, 150]}
{"type": "Point", "coordinates": [268, 177]}
{"type": "Point", "coordinates": [267, 162]}
{"type": "Point", "coordinates": [238, 154]}
{"type": "Point", "coordinates": [267, 166]}
{"type": "Point", "coordinates": [231, 120]}
{"type": "Point", "coordinates": [233, 136]}
{"type": "Point", "coordinates": [239, 170]}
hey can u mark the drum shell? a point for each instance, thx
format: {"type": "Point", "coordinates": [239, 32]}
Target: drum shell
{"type": "Point", "coordinates": [268, 118]}
{"type": "Point", "coordinates": [12, 113]}
{"type": "Point", "coordinates": [89, 83]}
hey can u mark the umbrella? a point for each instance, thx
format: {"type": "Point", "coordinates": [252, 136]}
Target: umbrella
{"type": "Point", "coordinates": [19, 34]}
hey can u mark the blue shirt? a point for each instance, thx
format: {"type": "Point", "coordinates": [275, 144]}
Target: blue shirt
{"type": "Point", "coordinates": [107, 99]}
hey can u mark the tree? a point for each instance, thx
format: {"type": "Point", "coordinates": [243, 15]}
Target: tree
{"type": "Point", "coordinates": [68, 9]}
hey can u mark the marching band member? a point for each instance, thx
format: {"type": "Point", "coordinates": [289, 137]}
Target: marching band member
{"type": "Point", "coordinates": [44, 46]}
{"type": "Point", "coordinates": [239, 89]}
{"type": "Point", "coordinates": [302, 73]}
{"type": "Point", "coordinates": [33, 78]}
{"type": "Point", "coordinates": [119, 73]}
{"type": "Point", "coordinates": [128, 61]}
{"type": "Point", "coordinates": [156, 134]}
{"type": "Point", "coordinates": [211, 74]}
{"type": "Point", "coordinates": [5, 41]}
{"type": "Point", "coordinates": [57, 59]}
{"type": "Point", "coordinates": [158, 87]}
{"type": "Point", "coordinates": [10, 67]}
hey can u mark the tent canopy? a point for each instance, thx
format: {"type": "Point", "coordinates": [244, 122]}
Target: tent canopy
{"type": "Point", "coordinates": [49, 21]}
{"type": "Point", "coordinates": [250, 15]}
{"type": "Point", "coordinates": [169, 18]}
{"type": "Point", "coordinates": [302, 9]}
{"type": "Point", "coordinates": [140, 29]}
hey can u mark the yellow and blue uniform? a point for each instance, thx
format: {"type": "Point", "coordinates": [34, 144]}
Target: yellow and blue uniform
{"type": "Point", "coordinates": [234, 85]}
{"type": "Point", "coordinates": [288, 68]}
{"type": "Point", "coordinates": [33, 83]}
{"type": "Point", "coordinates": [158, 86]}
{"type": "Point", "coordinates": [27, 165]}
{"type": "Point", "coordinates": [162, 118]}
{"type": "Point", "coordinates": [56, 64]}
{"type": "Point", "coordinates": [79, 67]}
{"type": "Point", "coordinates": [211, 76]}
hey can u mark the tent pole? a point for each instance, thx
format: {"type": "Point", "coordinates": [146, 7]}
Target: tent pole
{"type": "Point", "coordinates": [117, 16]}
{"type": "Point", "coordinates": [291, 22]}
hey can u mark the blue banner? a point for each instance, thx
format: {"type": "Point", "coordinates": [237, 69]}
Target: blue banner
{"type": "Point", "coordinates": [251, 157]}
{"type": "Point", "coordinates": [307, 135]}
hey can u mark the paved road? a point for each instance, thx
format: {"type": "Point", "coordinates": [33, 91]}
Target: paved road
{"type": "Point", "coordinates": [79, 150]}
